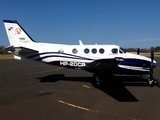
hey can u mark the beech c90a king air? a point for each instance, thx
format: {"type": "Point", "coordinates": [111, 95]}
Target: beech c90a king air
{"type": "Point", "coordinates": [98, 59]}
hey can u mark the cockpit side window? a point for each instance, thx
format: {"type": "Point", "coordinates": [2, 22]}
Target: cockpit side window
{"type": "Point", "coordinates": [122, 50]}
{"type": "Point", "coordinates": [114, 50]}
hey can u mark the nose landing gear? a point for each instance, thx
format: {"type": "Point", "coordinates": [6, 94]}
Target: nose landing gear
{"type": "Point", "coordinates": [151, 79]}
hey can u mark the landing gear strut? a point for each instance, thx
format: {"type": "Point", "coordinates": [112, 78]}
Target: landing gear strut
{"type": "Point", "coordinates": [151, 79]}
{"type": "Point", "coordinates": [96, 82]}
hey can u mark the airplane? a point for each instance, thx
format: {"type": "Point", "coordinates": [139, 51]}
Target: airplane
{"type": "Point", "coordinates": [100, 60]}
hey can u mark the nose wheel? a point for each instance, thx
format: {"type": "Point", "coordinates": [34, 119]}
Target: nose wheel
{"type": "Point", "coordinates": [151, 78]}
{"type": "Point", "coordinates": [150, 81]}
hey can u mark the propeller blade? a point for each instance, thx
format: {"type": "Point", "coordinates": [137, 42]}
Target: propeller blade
{"type": "Point", "coordinates": [152, 58]}
{"type": "Point", "coordinates": [152, 54]}
{"type": "Point", "coordinates": [138, 51]}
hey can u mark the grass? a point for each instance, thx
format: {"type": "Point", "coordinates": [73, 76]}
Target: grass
{"type": "Point", "coordinates": [6, 57]}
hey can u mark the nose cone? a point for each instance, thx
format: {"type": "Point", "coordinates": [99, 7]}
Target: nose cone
{"type": "Point", "coordinates": [154, 64]}
{"type": "Point", "coordinates": [145, 61]}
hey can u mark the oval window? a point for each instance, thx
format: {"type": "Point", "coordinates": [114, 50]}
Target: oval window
{"type": "Point", "coordinates": [94, 51]}
{"type": "Point", "coordinates": [101, 50]}
{"type": "Point", "coordinates": [74, 51]}
{"type": "Point", "coordinates": [86, 50]}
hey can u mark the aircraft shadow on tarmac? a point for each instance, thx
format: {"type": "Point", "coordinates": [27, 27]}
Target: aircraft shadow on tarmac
{"type": "Point", "coordinates": [115, 87]}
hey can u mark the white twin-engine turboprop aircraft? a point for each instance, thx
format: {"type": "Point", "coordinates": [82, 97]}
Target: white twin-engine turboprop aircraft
{"type": "Point", "coordinates": [98, 59]}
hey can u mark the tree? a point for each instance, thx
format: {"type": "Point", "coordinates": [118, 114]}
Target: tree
{"type": "Point", "coordinates": [157, 49]}
{"type": "Point", "coordinates": [2, 50]}
{"type": "Point", "coordinates": [131, 49]}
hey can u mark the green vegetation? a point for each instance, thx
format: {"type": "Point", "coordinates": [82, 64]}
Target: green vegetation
{"type": "Point", "coordinates": [143, 50]}
{"type": "Point", "coordinates": [2, 50]}
{"type": "Point", "coordinates": [157, 49]}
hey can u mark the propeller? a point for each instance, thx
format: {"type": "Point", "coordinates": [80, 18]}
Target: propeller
{"type": "Point", "coordinates": [152, 54]}
{"type": "Point", "coordinates": [152, 58]}
{"type": "Point", "coordinates": [138, 51]}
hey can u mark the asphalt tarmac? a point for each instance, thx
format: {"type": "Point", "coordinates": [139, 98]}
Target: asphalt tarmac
{"type": "Point", "coordinates": [37, 91]}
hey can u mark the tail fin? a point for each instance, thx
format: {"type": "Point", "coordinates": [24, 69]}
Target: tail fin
{"type": "Point", "coordinates": [16, 34]}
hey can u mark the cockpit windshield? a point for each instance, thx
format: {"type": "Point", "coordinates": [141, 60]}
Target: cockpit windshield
{"type": "Point", "coordinates": [122, 50]}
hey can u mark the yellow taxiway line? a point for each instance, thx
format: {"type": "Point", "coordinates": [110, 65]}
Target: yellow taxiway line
{"type": "Point", "coordinates": [86, 86]}
{"type": "Point", "coordinates": [76, 106]}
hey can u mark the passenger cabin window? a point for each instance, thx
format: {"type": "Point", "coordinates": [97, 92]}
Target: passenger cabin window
{"type": "Point", "coordinates": [114, 50]}
{"type": "Point", "coordinates": [74, 51]}
{"type": "Point", "coordinates": [94, 51]}
{"type": "Point", "coordinates": [86, 50]}
{"type": "Point", "coordinates": [101, 50]}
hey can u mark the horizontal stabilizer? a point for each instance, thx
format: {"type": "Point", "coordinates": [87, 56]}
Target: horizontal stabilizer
{"type": "Point", "coordinates": [21, 51]}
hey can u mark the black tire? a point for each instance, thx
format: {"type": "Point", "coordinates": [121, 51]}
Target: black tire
{"type": "Point", "coordinates": [95, 83]}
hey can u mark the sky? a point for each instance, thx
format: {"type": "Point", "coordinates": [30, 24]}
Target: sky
{"type": "Point", "coordinates": [127, 23]}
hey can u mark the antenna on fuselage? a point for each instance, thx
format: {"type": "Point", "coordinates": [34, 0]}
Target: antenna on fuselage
{"type": "Point", "coordinates": [80, 42]}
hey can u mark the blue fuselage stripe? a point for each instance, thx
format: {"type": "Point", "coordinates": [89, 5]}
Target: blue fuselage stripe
{"type": "Point", "coordinates": [136, 63]}
{"type": "Point", "coordinates": [56, 54]}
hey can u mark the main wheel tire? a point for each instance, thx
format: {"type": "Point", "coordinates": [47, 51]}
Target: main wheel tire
{"type": "Point", "coordinates": [96, 82]}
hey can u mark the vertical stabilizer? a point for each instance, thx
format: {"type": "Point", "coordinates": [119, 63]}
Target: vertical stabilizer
{"type": "Point", "coordinates": [16, 34]}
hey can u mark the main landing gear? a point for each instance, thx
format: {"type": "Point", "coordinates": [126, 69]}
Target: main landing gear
{"type": "Point", "coordinates": [96, 81]}
{"type": "Point", "coordinates": [100, 79]}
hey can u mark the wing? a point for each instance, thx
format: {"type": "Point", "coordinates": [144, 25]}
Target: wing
{"type": "Point", "coordinates": [103, 64]}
